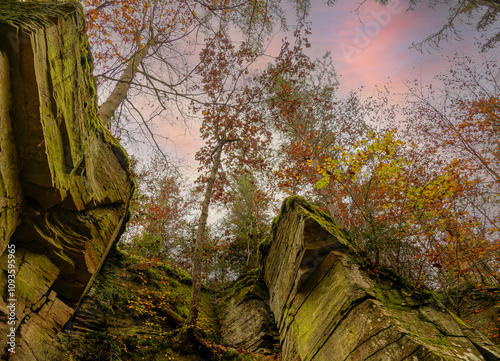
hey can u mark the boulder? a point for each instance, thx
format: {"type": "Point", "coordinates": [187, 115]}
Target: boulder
{"type": "Point", "coordinates": [65, 182]}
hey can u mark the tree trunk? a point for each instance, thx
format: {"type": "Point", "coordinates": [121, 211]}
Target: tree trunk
{"type": "Point", "coordinates": [108, 108]}
{"type": "Point", "coordinates": [198, 250]}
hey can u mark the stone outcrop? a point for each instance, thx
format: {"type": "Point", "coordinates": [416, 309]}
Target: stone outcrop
{"type": "Point", "coordinates": [132, 311]}
{"type": "Point", "coordinates": [327, 307]}
{"type": "Point", "coordinates": [246, 321]}
{"type": "Point", "coordinates": [64, 180]}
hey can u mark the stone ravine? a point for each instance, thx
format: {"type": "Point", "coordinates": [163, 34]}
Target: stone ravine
{"type": "Point", "coordinates": [65, 182]}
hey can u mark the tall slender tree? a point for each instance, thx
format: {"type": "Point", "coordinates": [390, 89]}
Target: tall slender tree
{"type": "Point", "coordinates": [143, 51]}
{"type": "Point", "coordinates": [246, 222]}
{"type": "Point", "coordinates": [233, 127]}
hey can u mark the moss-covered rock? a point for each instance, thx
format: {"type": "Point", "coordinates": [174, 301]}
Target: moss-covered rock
{"type": "Point", "coordinates": [65, 182]}
{"type": "Point", "coordinates": [133, 312]}
{"type": "Point", "coordinates": [246, 322]}
{"type": "Point", "coordinates": [328, 307]}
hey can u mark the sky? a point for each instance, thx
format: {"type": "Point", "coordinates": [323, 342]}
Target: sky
{"type": "Point", "coordinates": [368, 50]}
{"type": "Point", "coordinates": [374, 47]}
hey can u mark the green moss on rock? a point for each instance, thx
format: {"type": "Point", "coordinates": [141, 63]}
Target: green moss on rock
{"type": "Point", "coordinates": [322, 218]}
{"type": "Point", "coordinates": [133, 296]}
{"type": "Point", "coordinates": [71, 177]}
{"type": "Point", "coordinates": [247, 287]}
{"type": "Point", "coordinates": [32, 15]}
{"type": "Point", "coordinates": [332, 304]}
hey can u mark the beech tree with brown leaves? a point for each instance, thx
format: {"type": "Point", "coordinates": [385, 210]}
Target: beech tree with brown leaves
{"type": "Point", "coordinates": [160, 215]}
{"type": "Point", "coordinates": [459, 123]}
{"type": "Point", "coordinates": [310, 120]}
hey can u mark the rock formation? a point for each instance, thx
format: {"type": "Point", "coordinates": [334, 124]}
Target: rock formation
{"type": "Point", "coordinates": [246, 321]}
{"type": "Point", "coordinates": [327, 307]}
{"type": "Point", "coordinates": [132, 311]}
{"type": "Point", "coordinates": [64, 190]}
{"type": "Point", "coordinates": [64, 180]}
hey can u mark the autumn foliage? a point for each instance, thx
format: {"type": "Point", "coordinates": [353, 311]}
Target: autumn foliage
{"type": "Point", "coordinates": [416, 191]}
{"type": "Point", "coordinates": [422, 200]}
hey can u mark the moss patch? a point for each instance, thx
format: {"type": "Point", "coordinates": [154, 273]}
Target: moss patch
{"type": "Point", "coordinates": [248, 287]}
{"type": "Point", "coordinates": [134, 297]}
{"type": "Point", "coordinates": [34, 14]}
{"type": "Point", "coordinates": [311, 211]}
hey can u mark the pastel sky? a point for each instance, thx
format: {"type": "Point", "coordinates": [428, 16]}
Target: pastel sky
{"type": "Point", "coordinates": [374, 47]}
{"type": "Point", "coordinates": [368, 49]}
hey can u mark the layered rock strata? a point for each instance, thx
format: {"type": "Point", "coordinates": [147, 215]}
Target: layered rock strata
{"type": "Point", "coordinates": [246, 321]}
{"type": "Point", "coordinates": [328, 308]}
{"type": "Point", "coordinates": [64, 180]}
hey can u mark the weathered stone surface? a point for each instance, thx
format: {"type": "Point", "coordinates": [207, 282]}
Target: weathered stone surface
{"type": "Point", "coordinates": [127, 314]}
{"type": "Point", "coordinates": [248, 326]}
{"type": "Point", "coordinates": [64, 181]}
{"type": "Point", "coordinates": [246, 322]}
{"type": "Point", "coordinates": [328, 308]}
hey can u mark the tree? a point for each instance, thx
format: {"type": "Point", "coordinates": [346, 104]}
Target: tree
{"type": "Point", "coordinates": [310, 120]}
{"type": "Point", "coordinates": [245, 224]}
{"type": "Point", "coordinates": [488, 11]}
{"type": "Point", "coordinates": [159, 225]}
{"type": "Point", "coordinates": [460, 124]}
{"type": "Point", "coordinates": [388, 200]}
{"type": "Point", "coordinates": [465, 116]}
{"type": "Point", "coordinates": [232, 125]}
{"type": "Point", "coordinates": [144, 48]}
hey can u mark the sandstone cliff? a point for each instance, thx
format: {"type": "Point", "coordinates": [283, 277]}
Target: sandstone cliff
{"type": "Point", "coordinates": [64, 181]}
{"type": "Point", "coordinates": [313, 299]}
{"type": "Point", "coordinates": [246, 321]}
{"type": "Point", "coordinates": [327, 307]}
{"type": "Point", "coordinates": [133, 311]}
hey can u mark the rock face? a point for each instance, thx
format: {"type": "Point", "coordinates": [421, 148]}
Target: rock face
{"type": "Point", "coordinates": [246, 322]}
{"type": "Point", "coordinates": [131, 312]}
{"type": "Point", "coordinates": [327, 307]}
{"type": "Point", "coordinates": [64, 181]}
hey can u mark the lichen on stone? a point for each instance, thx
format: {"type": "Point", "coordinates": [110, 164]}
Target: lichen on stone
{"type": "Point", "coordinates": [64, 196]}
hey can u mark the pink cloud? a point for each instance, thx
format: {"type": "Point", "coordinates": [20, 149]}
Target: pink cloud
{"type": "Point", "coordinates": [371, 52]}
